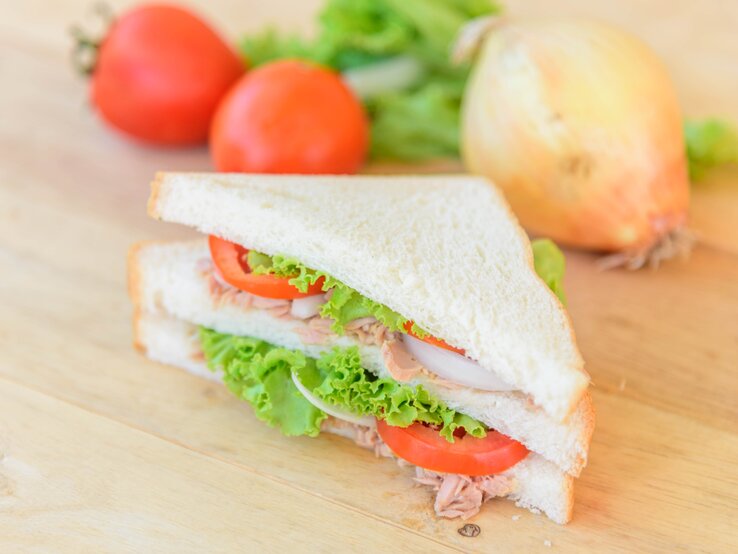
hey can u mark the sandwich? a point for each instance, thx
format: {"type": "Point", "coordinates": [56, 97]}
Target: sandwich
{"type": "Point", "coordinates": [409, 314]}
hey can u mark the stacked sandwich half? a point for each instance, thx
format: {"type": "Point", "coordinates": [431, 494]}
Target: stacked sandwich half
{"type": "Point", "coordinates": [409, 314]}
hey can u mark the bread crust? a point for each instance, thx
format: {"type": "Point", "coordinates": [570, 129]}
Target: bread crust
{"type": "Point", "coordinates": [585, 437]}
{"type": "Point", "coordinates": [560, 306]}
{"type": "Point", "coordinates": [136, 285]}
{"type": "Point", "coordinates": [152, 206]}
{"type": "Point", "coordinates": [135, 288]}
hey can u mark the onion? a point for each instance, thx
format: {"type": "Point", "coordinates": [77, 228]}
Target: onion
{"type": "Point", "coordinates": [453, 367]}
{"type": "Point", "coordinates": [366, 421]}
{"type": "Point", "coordinates": [392, 75]}
{"type": "Point", "coordinates": [579, 124]}
{"type": "Point", "coordinates": [303, 308]}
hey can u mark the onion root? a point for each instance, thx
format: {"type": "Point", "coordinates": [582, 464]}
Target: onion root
{"type": "Point", "coordinates": [676, 243]}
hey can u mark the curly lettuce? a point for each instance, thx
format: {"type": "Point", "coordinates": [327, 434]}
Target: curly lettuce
{"type": "Point", "coordinates": [344, 305]}
{"type": "Point", "coordinates": [420, 118]}
{"type": "Point", "coordinates": [260, 373]}
{"type": "Point", "coordinates": [339, 379]}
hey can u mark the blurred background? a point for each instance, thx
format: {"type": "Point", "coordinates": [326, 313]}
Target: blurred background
{"type": "Point", "coordinates": [49, 131]}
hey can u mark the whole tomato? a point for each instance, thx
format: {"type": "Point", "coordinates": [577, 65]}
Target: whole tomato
{"type": "Point", "coordinates": [289, 117]}
{"type": "Point", "coordinates": [160, 73]}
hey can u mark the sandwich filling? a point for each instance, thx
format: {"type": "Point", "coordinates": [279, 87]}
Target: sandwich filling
{"type": "Point", "coordinates": [287, 288]}
{"type": "Point", "coordinates": [456, 495]}
{"type": "Point", "coordinates": [297, 394]}
{"type": "Point", "coordinates": [262, 374]}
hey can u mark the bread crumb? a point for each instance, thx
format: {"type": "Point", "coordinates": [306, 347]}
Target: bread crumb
{"type": "Point", "coordinates": [515, 517]}
{"type": "Point", "coordinates": [534, 511]}
{"type": "Point", "coordinates": [623, 382]}
{"type": "Point", "coordinates": [547, 543]}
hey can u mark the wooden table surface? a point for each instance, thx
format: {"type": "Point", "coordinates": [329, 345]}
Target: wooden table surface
{"type": "Point", "coordinates": [104, 451]}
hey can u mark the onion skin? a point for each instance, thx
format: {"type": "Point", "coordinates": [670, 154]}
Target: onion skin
{"type": "Point", "coordinates": [578, 123]}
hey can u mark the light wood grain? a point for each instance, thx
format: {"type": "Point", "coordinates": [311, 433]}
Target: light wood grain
{"type": "Point", "coordinates": [73, 480]}
{"type": "Point", "coordinates": [101, 450]}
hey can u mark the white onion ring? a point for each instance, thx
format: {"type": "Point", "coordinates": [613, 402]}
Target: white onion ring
{"type": "Point", "coordinates": [453, 367]}
{"type": "Point", "coordinates": [366, 421]}
{"type": "Point", "coordinates": [303, 308]}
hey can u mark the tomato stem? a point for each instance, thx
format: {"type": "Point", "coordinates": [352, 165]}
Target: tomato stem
{"type": "Point", "coordinates": [84, 53]}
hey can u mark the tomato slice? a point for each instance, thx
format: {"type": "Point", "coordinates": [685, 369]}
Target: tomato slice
{"type": "Point", "coordinates": [425, 447]}
{"type": "Point", "coordinates": [432, 340]}
{"type": "Point", "coordinates": [230, 260]}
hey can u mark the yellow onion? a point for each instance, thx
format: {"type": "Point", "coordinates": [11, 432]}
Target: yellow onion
{"type": "Point", "coordinates": [580, 126]}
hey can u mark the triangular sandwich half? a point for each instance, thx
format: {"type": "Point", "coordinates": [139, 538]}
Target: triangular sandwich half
{"type": "Point", "coordinates": [404, 312]}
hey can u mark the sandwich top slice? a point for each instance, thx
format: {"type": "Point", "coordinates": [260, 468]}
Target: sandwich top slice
{"type": "Point", "coordinates": [314, 346]}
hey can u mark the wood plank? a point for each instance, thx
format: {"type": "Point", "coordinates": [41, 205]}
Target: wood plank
{"type": "Point", "coordinates": [71, 481]}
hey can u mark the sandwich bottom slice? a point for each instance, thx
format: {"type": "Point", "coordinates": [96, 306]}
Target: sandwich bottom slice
{"type": "Point", "coordinates": [534, 482]}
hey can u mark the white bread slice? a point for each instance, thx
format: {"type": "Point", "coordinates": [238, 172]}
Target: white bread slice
{"type": "Point", "coordinates": [167, 279]}
{"type": "Point", "coordinates": [444, 251]}
{"type": "Point", "coordinates": [539, 484]}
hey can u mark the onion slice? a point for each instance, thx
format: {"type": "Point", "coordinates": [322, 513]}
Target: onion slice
{"type": "Point", "coordinates": [453, 367]}
{"type": "Point", "coordinates": [303, 308]}
{"type": "Point", "coordinates": [366, 421]}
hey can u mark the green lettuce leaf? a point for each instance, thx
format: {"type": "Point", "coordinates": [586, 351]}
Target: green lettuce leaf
{"type": "Point", "coordinates": [418, 124]}
{"type": "Point", "coordinates": [260, 373]}
{"type": "Point", "coordinates": [345, 383]}
{"type": "Point", "coordinates": [344, 305]}
{"type": "Point", "coordinates": [418, 121]}
{"type": "Point", "coordinates": [710, 143]}
{"type": "Point", "coordinates": [549, 264]}
{"type": "Point", "coordinates": [269, 46]}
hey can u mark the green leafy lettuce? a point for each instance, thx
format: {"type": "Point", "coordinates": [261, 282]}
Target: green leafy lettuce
{"type": "Point", "coordinates": [345, 303]}
{"type": "Point", "coordinates": [710, 143]}
{"type": "Point", "coordinates": [419, 120]}
{"type": "Point", "coordinates": [260, 373]}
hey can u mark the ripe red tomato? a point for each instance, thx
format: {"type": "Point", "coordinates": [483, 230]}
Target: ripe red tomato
{"type": "Point", "coordinates": [424, 447]}
{"type": "Point", "coordinates": [160, 73]}
{"type": "Point", "coordinates": [290, 117]}
{"type": "Point", "coordinates": [230, 260]}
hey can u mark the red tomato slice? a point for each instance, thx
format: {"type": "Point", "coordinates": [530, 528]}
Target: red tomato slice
{"type": "Point", "coordinates": [433, 340]}
{"type": "Point", "coordinates": [425, 447]}
{"type": "Point", "coordinates": [230, 260]}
